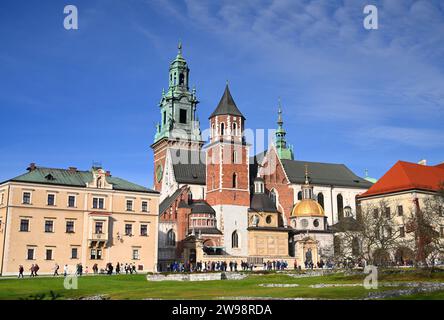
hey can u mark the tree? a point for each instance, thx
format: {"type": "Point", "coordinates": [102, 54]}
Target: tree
{"type": "Point", "coordinates": [426, 226]}
{"type": "Point", "coordinates": [374, 236]}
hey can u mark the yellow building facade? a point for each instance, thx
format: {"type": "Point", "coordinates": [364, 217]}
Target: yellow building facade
{"type": "Point", "coordinates": [70, 217]}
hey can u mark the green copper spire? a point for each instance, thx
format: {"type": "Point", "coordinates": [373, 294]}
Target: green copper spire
{"type": "Point", "coordinates": [284, 151]}
{"type": "Point", "coordinates": [178, 105]}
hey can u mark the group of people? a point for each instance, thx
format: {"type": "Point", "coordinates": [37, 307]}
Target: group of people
{"type": "Point", "coordinates": [128, 268]}
{"type": "Point", "coordinates": [275, 265]}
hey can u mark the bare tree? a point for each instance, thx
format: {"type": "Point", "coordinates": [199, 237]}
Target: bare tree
{"type": "Point", "coordinates": [426, 226]}
{"type": "Point", "coordinates": [374, 236]}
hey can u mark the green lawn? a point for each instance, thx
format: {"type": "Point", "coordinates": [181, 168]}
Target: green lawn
{"type": "Point", "coordinates": [137, 287]}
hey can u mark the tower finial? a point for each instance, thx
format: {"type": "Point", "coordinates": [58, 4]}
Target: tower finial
{"type": "Point", "coordinates": [280, 122]}
{"type": "Point", "coordinates": [179, 47]}
{"type": "Point", "coordinates": [306, 174]}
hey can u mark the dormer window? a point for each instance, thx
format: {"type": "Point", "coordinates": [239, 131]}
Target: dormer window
{"type": "Point", "coordinates": [49, 177]}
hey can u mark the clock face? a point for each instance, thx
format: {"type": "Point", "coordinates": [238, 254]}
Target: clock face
{"type": "Point", "coordinates": [159, 173]}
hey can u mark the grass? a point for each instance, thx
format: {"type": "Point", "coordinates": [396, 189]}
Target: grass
{"type": "Point", "coordinates": [137, 287]}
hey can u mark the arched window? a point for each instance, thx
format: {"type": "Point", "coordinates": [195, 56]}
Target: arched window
{"type": "Point", "coordinates": [321, 199]}
{"type": "Point", "coordinates": [222, 129]}
{"type": "Point", "coordinates": [181, 79]}
{"type": "Point", "coordinates": [175, 78]}
{"type": "Point", "coordinates": [171, 238]}
{"type": "Point", "coordinates": [235, 128]}
{"type": "Point", "coordinates": [300, 195]}
{"type": "Point", "coordinates": [273, 196]}
{"type": "Point", "coordinates": [340, 203]}
{"type": "Point", "coordinates": [234, 240]}
{"type": "Point", "coordinates": [213, 131]}
{"type": "Point", "coordinates": [234, 180]}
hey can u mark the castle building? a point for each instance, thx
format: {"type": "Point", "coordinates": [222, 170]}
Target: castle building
{"type": "Point", "coordinates": [245, 205]}
{"type": "Point", "coordinates": [68, 216]}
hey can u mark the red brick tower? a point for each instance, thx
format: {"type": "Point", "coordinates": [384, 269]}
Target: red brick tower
{"type": "Point", "coordinates": [227, 156]}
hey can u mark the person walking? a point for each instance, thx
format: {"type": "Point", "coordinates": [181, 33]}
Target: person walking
{"type": "Point", "coordinates": [21, 270]}
{"type": "Point", "coordinates": [32, 270]}
{"type": "Point", "coordinates": [36, 269]}
{"type": "Point", "coordinates": [56, 270]}
{"type": "Point", "coordinates": [134, 268]}
{"type": "Point", "coordinates": [65, 270]}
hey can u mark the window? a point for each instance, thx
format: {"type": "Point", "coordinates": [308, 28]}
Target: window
{"type": "Point", "coordinates": [316, 223]}
{"type": "Point", "coordinates": [74, 253]}
{"type": "Point", "coordinates": [234, 180]}
{"type": "Point", "coordinates": [222, 129]}
{"type": "Point", "coordinates": [98, 203]}
{"type": "Point", "coordinates": [375, 213]}
{"type": "Point", "coordinates": [26, 197]}
{"type": "Point", "coordinates": [387, 212]}
{"type": "Point", "coordinates": [30, 254]}
{"type": "Point", "coordinates": [300, 195]}
{"type": "Point", "coordinates": [183, 116]}
{"type": "Point", "coordinates": [51, 200]}
{"type": "Point", "coordinates": [96, 254]}
{"type": "Point", "coordinates": [400, 211]}
{"type": "Point", "coordinates": [234, 240]}
{"type": "Point", "coordinates": [135, 254]}
{"type": "Point", "coordinates": [129, 205]}
{"type": "Point", "coordinates": [49, 226]}
{"type": "Point", "coordinates": [268, 219]}
{"type": "Point", "coordinates": [24, 225]}
{"type": "Point", "coordinates": [273, 196]}
{"type": "Point", "coordinates": [340, 203]}
{"type": "Point", "coordinates": [71, 201]}
{"type": "Point", "coordinates": [234, 156]}
{"type": "Point", "coordinates": [181, 79]}
{"type": "Point", "coordinates": [321, 199]}
{"type": "Point", "coordinates": [69, 226]}
{"type": "Point", "coordinates": [171, 238]}
{"type": "Point", "coordinates": [164, 118]}
{"type": "Point", "coordinates": [48, 254]}
{"type": "Point", "coordinates": [128, 229]}
{"type": "Point", "coordinates": [99, 227]}
{"type": "Point", "coordinates": [144, 230]}
{"type": "Point", "coordinates": [235, 128]}
{"type": "Point", "coordinates": [401, 232]}
{"type": "Point", "coordinates": [144, 206]}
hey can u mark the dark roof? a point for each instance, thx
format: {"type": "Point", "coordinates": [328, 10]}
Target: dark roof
{"type": "Point", "coordinates": [168, 201]}
{"type": "Point", "coordinates": [74, 178]}
{"type": "Point", "coordinates": [323, 174]}
{"type": "Point", "coordinates": [262, 202]}
{"type": "Point", "coordinates": [201, 207]}
{"type": "Point", "coordinates": [227, 106]}
{"type": "Point", "coordinates": [346, 224]}
{"type": "Point", "coordinates": [189, 167]}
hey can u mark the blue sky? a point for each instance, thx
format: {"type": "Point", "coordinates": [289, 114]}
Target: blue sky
{"type": "Point", "coordinates": [350, 95]}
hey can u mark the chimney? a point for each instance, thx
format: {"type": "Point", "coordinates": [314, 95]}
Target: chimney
{"type": "Point", "coordinates": [31, 167]}
{"type": "Point", "coordinates": [72, 169]}
{"type": "Point", "coordinates": [422, 162]}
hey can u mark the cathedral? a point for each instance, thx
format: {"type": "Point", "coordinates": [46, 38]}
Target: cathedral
{"type": "Point", "coordinates": [220, 203]}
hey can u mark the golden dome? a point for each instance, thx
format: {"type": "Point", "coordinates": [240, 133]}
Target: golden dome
{"type": "Point", "coordinates": [307, 208]}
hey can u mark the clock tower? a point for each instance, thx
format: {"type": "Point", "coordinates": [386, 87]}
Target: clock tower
{"type": "Point", "coordinates": [179, 126]}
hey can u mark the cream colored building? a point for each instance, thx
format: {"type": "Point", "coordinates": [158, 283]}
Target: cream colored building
{"type": "Point", "coordinates": [67, 216]}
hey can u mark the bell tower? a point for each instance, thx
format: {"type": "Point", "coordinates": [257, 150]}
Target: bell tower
{"type": "Point", "coordinates": [179, 126]}
{"type": "Point", "coordinates": [227, 177]}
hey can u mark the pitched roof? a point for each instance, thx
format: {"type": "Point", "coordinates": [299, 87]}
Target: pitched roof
{"type": "Point", "coordinates": [190, 168]}
{"type": "Point", "coordinates": [262, 202]}
{"type": "Point", "coordinates": [323, 174]}
{"type": "Point", "coordinates": [201, 206]}
{"type": "Point", "coordinates": [74, 178]}
{"type": "Point", "coordinates": [227, 106]}
{"type": "Point", "coordinates": [405, 176]}
{"type": "Point", "coordinates": [168, 201]}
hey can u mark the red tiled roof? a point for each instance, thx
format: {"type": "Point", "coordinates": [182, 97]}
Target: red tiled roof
{"type": "Point", "coordinates": [405, 176]}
